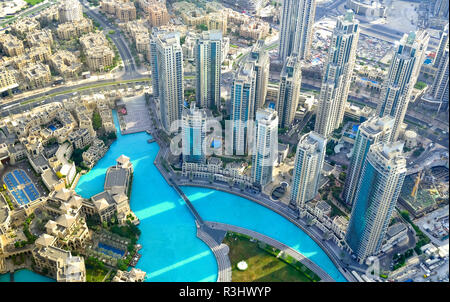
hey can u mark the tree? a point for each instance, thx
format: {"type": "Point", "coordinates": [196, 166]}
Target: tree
{"type": "Point", "coordinates": [96, 120]}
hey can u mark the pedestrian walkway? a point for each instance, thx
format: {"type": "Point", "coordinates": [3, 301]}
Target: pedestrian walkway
{"type": "Point", "coordinates": [220, 251]}
{"type": "Point", "coordinates": [137, 118]}
{"type": "Point", "coordinates": [272, 242]}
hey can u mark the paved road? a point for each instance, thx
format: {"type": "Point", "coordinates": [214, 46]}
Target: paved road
{"type": "Point", "coordinates": [124, 51]}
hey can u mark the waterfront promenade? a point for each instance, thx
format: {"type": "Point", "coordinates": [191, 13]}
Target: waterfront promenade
{"type": "Point", "coordinates": [175, 180]}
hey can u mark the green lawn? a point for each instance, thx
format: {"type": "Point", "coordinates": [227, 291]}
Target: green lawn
{"type": "Point", "coordinates": [33, 2]}
{"type": "Point", "coordinates": [262, 266]}
{"type": "Point", "coordinates": [95, 274]}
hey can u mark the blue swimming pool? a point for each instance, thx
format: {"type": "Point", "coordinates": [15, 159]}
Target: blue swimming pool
{"type": "Point", "coordinates": [171, 251]}
{"type": "Point", "coordinates": [110, 248]}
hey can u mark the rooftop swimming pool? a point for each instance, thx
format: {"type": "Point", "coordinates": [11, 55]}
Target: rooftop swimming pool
{"type": "Point", "coordinates": [170, 249]}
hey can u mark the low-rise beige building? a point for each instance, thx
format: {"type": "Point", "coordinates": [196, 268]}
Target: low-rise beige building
{"type": "Point", "coordinates": [7, 79]}
{"type": "Point", "coordinates": [36, 75]}
{"type": "Point", "coordinates": [255, 30]}
{"type": "Point", "coordinates": [70, 30]}
{"type": "Point", "coordinates": [41, 37]}
{"type": "Point", "coordinates": [218, 21]}
{"type": "Point", "coordinates": [57, 262]}
{"type": "Point", "coordinates": [66, 64]}
{"type": "Point", "coordinates": [11, 45]}
{"type": "Point", "coordinates": [80, 138]}
{"type": "Point", "coordinates": [98, 53]}
{"type": "Point", "coordinates": [125, 11]}
{"type": "Point", "coordinates": [140, 35]}
{"type": "Point", "coordinates": [25, 25]}
{"type": "Point", "coordinates": [134, 275]}
{"type": "Point", "coordinates": [157, 14]}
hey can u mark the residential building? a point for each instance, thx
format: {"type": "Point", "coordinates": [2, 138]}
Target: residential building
{"type": "Point", "coordinates": [401, 78]}
{"type": "Point", "coordinates": [98, 53]}
{"type": "Point", "coordinates": [25, 25]}
{"type": "Point", "coordinates": [41, 37]}
{"type": "Point", "coordinates": [381, 181]}
{"type": "Point", "coordinates": [58, 263]}
{"type": "Point", "coordinates": [254, 29]}
{"type": "Point", "coordinates": [194, 134]}
{"type": "Point", "coordinates": [308, 164]}
{"type": "Point", "coordinates": [297, 20]}
{"type": "Point", "coordinates": [125, 11]}
{"type": "Point", "coordinates": [261, 63]}
{"type": "Point", "coordinates": [70, 30]}
{"type": "Point", "coordinates": [242, 105]}
{"type": "Point", "coordinates": [80, 138]}
{"type": "Point", "coordinates": [218, 21]}
{"type": "Point", "coordinates": [437, 95]}
{"type": "Point", "coordinates": [290, 82]}
{"type": "Point", "coordinates": [443, 44]}
{"type": "Point", "coordinates": [265, 145]}
{"type": "Point", "coordinates": [338, 74]}
{"type": "Point", "coordinates": [208, 61]}
{"type": "Point", "coordinates": [11, 45]}
{"type": "Point", "coordinates": [167, 75]}
{"type": "Point", "coordinates": [372, 131]}
{"type": "Point", "coordinates": [66, 63]}
{"type": "Point", "coordinates": [134, 275]}
{"type": "Point", "coordinates": [114, 200]}
{"type": "Point", "coordinates": [156, 11]}
{"type": "Point", "coordinates": [7, 79]}
{"type": "Point", "coordinates": [36, 75]}
{"type": "Point", "coordinates": [70, 11]}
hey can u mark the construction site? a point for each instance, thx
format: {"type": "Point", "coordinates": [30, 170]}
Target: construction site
{"type": "Point", "coordinates": [425, 191]}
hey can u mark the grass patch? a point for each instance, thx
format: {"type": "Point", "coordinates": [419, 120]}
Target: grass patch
{"type": "Point", "coordinates": [33, 2]}
{"type": "Point", "coordinates": [95, 274]}
{"type": "Point", "coordinates": [263, 266]}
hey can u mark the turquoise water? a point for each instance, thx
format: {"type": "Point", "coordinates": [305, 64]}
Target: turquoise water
{"type": "Point", "coordinates": [171, 251]}
{"type": "Point", "coordinates": [25, 275]}
{"type": "Point", "coordinates": [213, 205]}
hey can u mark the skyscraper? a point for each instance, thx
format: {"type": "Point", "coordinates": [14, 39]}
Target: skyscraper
{"type": "Point", "coordinates": [443, 44]}
{"type": "Point", "coordinates": [401, 78]}
{"type": "Point", "coordinates": [208, 61]}
{"type": "Point", "coordinates": [261, 63]}
{"type": "Point", "coordinates": [297, 20]}
{"type": "Point", "coordinates": [265, 146]}
{"type": "Point", "coordinates": [194, 134]}
{"type": "Point", "coordinates": [381, 181]}
{"type": "Point", "coordinates": [167, 75]}
{"type": "Point", "coordinates": [307, 167]}
{"type": "Point", "coordinates": [290, 81]}
{"type": "Point", "coordinates": [370, 132]}
{"type": "Point", "coordinates": [242, 104]}
{"type": "Point", "coordinates": [438, 95]}
{"type": "Point", "coordinates": [337, 78]}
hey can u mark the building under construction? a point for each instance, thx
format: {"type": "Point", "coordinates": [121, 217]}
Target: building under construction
{"type": "Point", "coordinates": [422, 192]}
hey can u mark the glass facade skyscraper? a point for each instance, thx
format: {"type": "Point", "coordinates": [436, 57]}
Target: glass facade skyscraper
{"type": "Point", "coordinates": [381, 181]}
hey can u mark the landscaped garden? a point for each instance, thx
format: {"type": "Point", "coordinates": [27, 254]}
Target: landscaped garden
{"type": "Point", "coordinates": [263, 265]}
